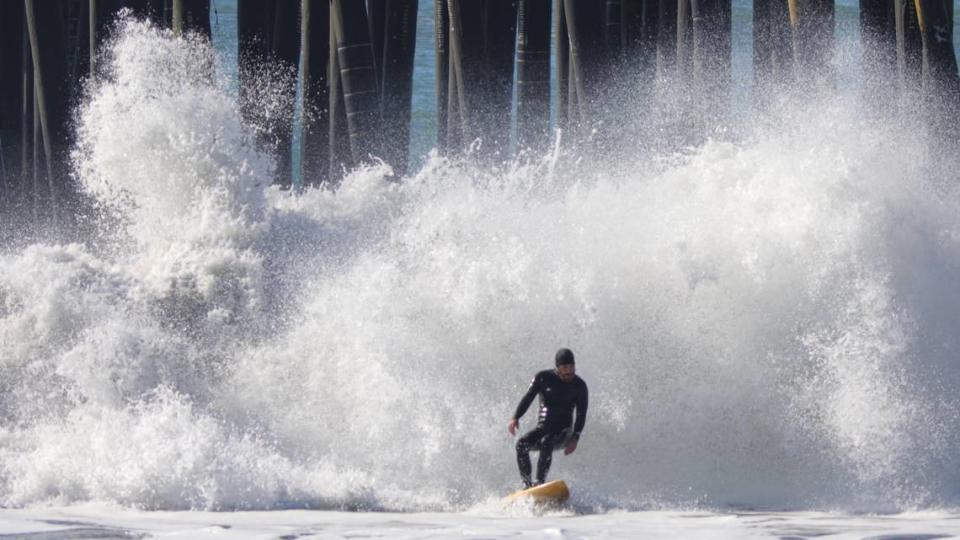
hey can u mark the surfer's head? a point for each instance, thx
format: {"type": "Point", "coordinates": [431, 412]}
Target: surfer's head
{"type": "Point", "coordinates": [566, 368]}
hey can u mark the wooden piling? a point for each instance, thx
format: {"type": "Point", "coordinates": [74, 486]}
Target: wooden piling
{"type": "Point", "coordinates": [314, 54]}
{"type": "Point", "coordinates": [500, 52]}
{"type": "Point", "coordinates": [712, 26]}
{"type": "Point", "coordinates": [562, 48]}
{"type": "Point", "coordinates": [940, 87]}
{"type": "Point", "coordinates": [267, 34]}
{"type": "Point", "coordinates": [489, 48]}
{"type": "Point", "coordinates": [92, 35]}
{"type": "Point", "coordinates": [666, 37]}
{"type": "Point", "coordinates": [772, 49]}
{"type": "Point", "coordinates": [533, 73]}
{"type": "Point", "coordinates": [35, 145]}
{"type": "Point", "coordinates": [11, 95]}
{"type": "Point", "coordinates": [358, 77]}
{"type": "Point", "coordinates": [51, 90]}
{"type": "Point", "coordinates": [101, 14]}
{"type": "Point", "coordinates": [639, 38]}
{"type": "Point", "coordinates": [76, 25]}
{"type": "Point", "coordinates": [577, 98]}
{"type": "Point", "coordinates": [194, 16]}
{"type": "Point", "coordinates": [878, 34]}
{"type": "Point", "coordinates": [376, 26]}
{"type": "Point", "coordinates": [684, 52]}
{"type": "Point", "coordinates": [254, 23]}
{"type": "Point", "coordinates": [441, 32]}
{"type": "Point", "coordinates": [481, 37]}
{"type": "Point", "coordinates": [939, 69]}
{"type": "Point", "coordinates": [459, 130]}
{"type": "Point", "coordinates": [613, 29]}
{"type": "Point", "coordinates": [40, 118]}
{"type": "Point", "coordinates": [394, 60]}
{"type": "Point", "coordinates": [878, 43]}
{"type": "Point", "coordinates": [155, 10]}
{"type": "Point", "coordinates": [596, 63]}
{"type": "Point", "coordinates": [339, 137]}
{"type": "Point", "coordinates": [178, 17]}
{"type": "Point", "coordinates": [27, 115]}
{"type": "Point", "coordinates": [592, 99]}
{"type": "Point", "coordinates": [909, 46]}
{"type": "Point", "coordinates": [812, 22]}
{"type": "Point", "coordinates": [285, 54]}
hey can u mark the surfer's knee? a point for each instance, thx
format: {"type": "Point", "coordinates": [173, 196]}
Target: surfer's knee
{"type": "Point", "coordinates": [523, 446]}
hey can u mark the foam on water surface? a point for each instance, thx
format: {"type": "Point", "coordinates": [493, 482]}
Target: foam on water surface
{"type": "Point", "coordinates": [91, 520]}
{"type": "Point", "coordinates": [763, 321]}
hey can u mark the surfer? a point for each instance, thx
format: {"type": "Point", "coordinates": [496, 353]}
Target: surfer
{"type": "Point", "coordinates": [561, 391]}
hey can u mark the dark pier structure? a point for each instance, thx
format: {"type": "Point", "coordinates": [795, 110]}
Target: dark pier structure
{"type": "Point", "coordinates": [508, 72]}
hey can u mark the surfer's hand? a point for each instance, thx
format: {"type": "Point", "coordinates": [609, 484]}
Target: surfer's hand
{"type": "Point", "coordinates": [513, 425]}
{"type": "Point", "coordinates": [571, 446]}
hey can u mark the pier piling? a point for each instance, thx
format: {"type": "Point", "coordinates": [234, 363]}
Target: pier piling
{"type": "Point", "coordinates": [533, 73]}
{"type": "Point", "coordinates": [338, 136]}
{"type": "Point", "coordinates": [315, 101]}
{"type": "Point", "coordinates": [666, 37]}
{"type": "Point", "coordinates": [812, 22]}
{"type": "Point", "coordinates": [51, 93]}
{"type": "Point", "coordinates": [577, 95]}
{"type": "Point", "coordinates": [458, 112]}
{"type": "Point", "coordinates": [267, 35]}
{"type": "Point", "coordinates": [639, 36]}
{"type": "Point", "coordinates": [394, 59]}
{"type": "Point", "coordinates": [939, 69]}
{"type": "Point", "coordinates": [878, 43]}
{"type": "Point", "coordinates": [285, 55]}
{"type": "Point", "coordinates": [358, 77]}
{"type": "Point", "coordinates": [711, 57]}
{"type": "Point", "coordinates": [772, 49]}
{"type": "Point", "coordinates": [487, 47]}
{"type": "Point", "coordinates": [13, 75]}
{"type": "Point", "coordinates": [193, 16]}
{"type": "Point", "coordinates": [354, 63]}
{"type": "Point", "coordinates": [909, 47]}
{"type": "Point", "coordinates": [441, 25]}
{"type": "Point", "coordinates": [562, 48]}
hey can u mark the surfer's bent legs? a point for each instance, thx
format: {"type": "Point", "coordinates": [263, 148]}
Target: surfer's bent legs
{"type": "Point", "coordinates": [535, 439]}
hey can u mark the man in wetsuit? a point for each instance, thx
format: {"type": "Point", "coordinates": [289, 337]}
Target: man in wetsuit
{"type": "Point", "coordinates": [560, 391]}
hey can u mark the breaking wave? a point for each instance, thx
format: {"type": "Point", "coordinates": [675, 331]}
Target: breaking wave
{"type": "Point", "coordinates": [763, 322]}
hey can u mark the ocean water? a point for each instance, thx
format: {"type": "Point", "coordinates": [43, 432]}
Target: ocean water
{"type": "Point", "coordinates": [766, 315]}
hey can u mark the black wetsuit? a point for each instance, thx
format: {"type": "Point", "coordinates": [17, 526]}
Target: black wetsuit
{"type": "Point", "coordinates": [557, 402]}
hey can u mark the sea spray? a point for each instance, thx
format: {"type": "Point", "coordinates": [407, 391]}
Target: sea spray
{"type": "Point", "coordinates": [763, 322]}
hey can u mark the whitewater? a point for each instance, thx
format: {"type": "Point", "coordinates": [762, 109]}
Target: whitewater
{"type": "Point", "coordinates": [767, 322]}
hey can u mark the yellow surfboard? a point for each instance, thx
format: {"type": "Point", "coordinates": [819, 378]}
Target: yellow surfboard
{"type": "Point", "coordinates": [551, 492]}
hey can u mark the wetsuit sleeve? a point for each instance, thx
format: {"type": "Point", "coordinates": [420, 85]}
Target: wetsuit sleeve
{"type": "Point", "coordinates": [528, 398]}
{"type": "Point", "coordinates": [581, 412]}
